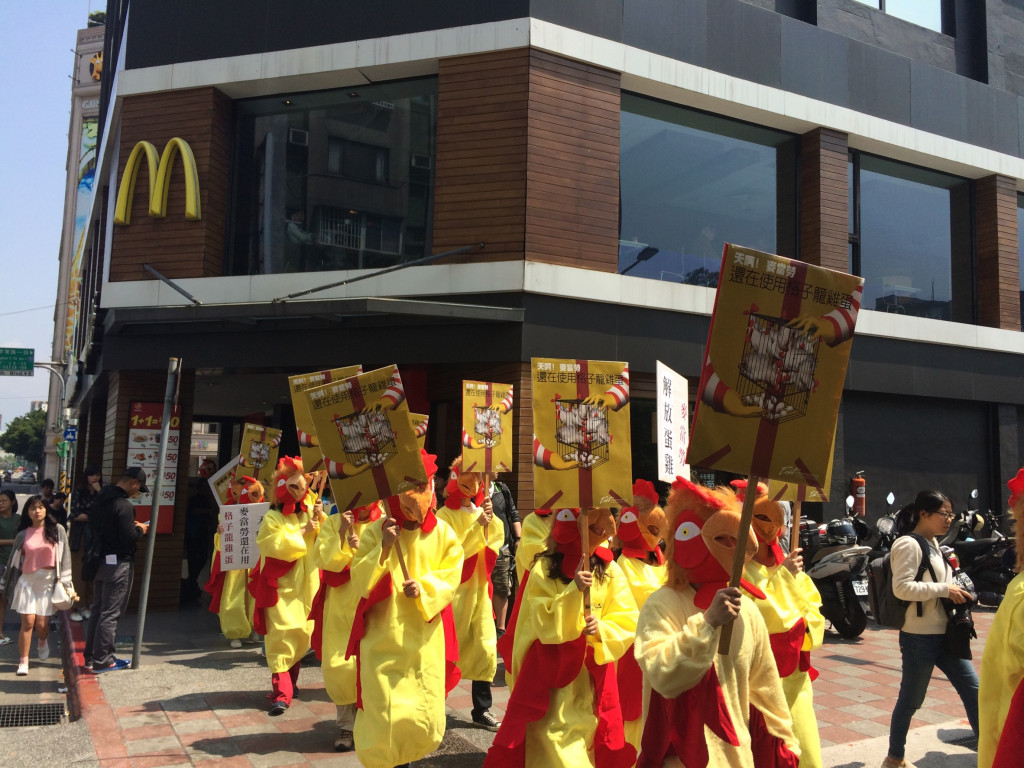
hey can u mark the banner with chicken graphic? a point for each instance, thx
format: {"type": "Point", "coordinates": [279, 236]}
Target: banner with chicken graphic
{"type": "Point", "coordinates": [486, 427]}
{"type": "Point", "coordinates": [367, 438]}
{"type": "Point", "coordinates": [311, 458]}
{"type": "Point", "coordinates": [258, 455]}
{"type": "Point", "coordinates": [420, 421]}
{"type": "Point", "coordinates": [581, 443]}
{"type": "Point", "coordinates": [774, 367]}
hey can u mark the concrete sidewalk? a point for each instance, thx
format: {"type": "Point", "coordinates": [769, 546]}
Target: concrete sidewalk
{"type": "Point", "coordinates": [194, 699]}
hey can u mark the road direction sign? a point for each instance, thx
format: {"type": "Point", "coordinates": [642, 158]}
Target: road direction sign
{"type": "Point", "coordinates": [71, 434]}
{"type": "Point", "coordinates": [15, 361]}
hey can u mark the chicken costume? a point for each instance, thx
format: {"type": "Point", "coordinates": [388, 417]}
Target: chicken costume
{"type": "Point", "coordinates": [792, 613]}
{"type": "Point", "coordinates": [286, 579]}
{"type": "Point", "coordinates": [400, 641]}
{"type": "Point", "coordinates": [564, 708]}
{"type": "Point", "coordinates": [641, 528]}
{"type": "Point", "coordinates": [702, 708]}
{"type": "Point", "coordinates": [335, 549]}
{"type": "Point", "coordinates": [229, 592]}
{"type": "Point", "coordinates": [536, 529]}
{"type": "Point", "coordinates": [1001, 691]}
{"type": "Point", "coordinates": [472, 606]}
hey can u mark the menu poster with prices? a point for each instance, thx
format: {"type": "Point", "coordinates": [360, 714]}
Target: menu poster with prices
{"type": "Point", "coordinates": [241, 523]}
{"type": "Point", "coordinates": [145, 421]}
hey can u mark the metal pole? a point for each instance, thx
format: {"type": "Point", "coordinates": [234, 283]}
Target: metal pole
{"type": "Point", "coordinates": [173, 370]}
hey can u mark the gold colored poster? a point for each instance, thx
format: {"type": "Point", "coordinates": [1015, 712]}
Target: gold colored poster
{"type": "Point", "coordinates": [367, 438]}
{"type": "Point", "coordinates": [774, 367]}
{"type": "Point", "coordinates": [311, 458]}
{"type": "Point", "coordinates": [782, 491]}
{"type": "Point", "coordinates": [486, 427]}
{"type": "Point", "coordinates": [220, 482]}
{"type": "Point", "coordinates": [420, 422]}
{"type": "Point", "coordinates": [258, 454]}
{"type": "Point", "coordinates": [581, 443]}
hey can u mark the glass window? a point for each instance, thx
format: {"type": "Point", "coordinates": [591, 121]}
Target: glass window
{"type": "Point", "coordinates": [334, 179]}
{"type": "Point", "coordinates": [913, 247]}
{"type": "Point", "coordinates": [924, 13]}
{"type": "Point", "coordinates": [690, 182]}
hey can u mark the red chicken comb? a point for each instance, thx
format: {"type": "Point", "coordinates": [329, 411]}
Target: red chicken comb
{"type": "Point", "coordinates": [646, 489]}
{"type": "Point", "coordinates": [1016, 486]}
{"type": "Point", "coordinates": [702, 492]}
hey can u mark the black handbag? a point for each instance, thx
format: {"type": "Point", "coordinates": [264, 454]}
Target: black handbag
{"type": "Point", "coordinates": [959, 632]}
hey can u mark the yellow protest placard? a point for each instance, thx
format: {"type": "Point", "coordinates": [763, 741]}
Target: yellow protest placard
{"type": "Point", "coordinates": [258, 454]}
{"type": "Point", "coordinates": [366, 437]}
{"type": "Point", "coordinates": [486, 427]}
{"type": "Point", "coordinates": [311, 458]}
{"type": "Point", "coordinates": [774, 367]}
{"type": "Point", "coordinates": [581, 438]}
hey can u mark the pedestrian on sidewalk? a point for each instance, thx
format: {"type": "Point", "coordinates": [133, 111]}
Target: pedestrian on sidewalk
{"type": "Point", "coordinates": [39, 557]}
{"type": "Point", "coordinates": [83, 501]}
{"type": "Point", "coordinates": [113, 525]}
{"type": "Point", "coordinates": [504, 577]}
{"type": "Point", "coordinates": [9, 521]}
{"type": "Point", "coordinates": [921, 639]}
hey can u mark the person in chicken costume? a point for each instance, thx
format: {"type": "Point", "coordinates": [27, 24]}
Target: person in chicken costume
{"type": "Point", "coordinates": [403, 635]}
{"type": "Point", "coordinates": [467, 509]}
{"type": "Point", "coordinates": [641, 528]}
{"type": "Point", "coordinates": [286, 579]}
{"type": "Point", "coordinates": [336, 546]}
{"type": "Point", "coordinates": [1001, 691]}
{"type": "Point", "coordinates": [564, 708]}
{"type": "Point", "coordinates": [792, 613]}
{"type": "Point", "coordinates": [536, 529]}
{"type": "Point", "coordinates": [229, 593]}
{"type": "Point", "coordinates": [703, 708]}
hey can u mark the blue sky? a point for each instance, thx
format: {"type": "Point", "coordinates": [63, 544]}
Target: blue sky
{"type": "Point", "coordinates": [36, 43]}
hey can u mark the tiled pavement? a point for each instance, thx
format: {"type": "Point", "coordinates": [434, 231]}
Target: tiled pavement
{"type": "Point", "coordinates": [194, 700]}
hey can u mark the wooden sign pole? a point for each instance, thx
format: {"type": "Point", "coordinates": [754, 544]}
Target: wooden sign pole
{"type": "Point", "coordinates": [741, 553]}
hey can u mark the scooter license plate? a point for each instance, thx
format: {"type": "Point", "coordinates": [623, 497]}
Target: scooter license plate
{"type": "Point", "coordinates": [860, 587]}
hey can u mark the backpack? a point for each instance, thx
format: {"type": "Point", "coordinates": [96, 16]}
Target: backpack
{"type": "Point", "coordinates": [889, 610]}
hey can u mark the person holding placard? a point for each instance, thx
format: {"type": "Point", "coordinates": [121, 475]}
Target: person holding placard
{"type": "Point", "coordinates": [468, 510]}
{"type": "Point", "coordinates": [287, 578]}
{"type": "Point", "coordinates": [405, 571]}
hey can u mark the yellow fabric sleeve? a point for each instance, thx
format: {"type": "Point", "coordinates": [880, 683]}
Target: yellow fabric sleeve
{"type": "Point", "coordinates": [281, 538]}
{"type": "Point", "coordinates": [437, 584]}
{"type": "Point", "coordinates": [332, 548]}
{"type": "Point", "coordinates": [616, 615]}
{"type": "Point", "coordinates": [674, 652]}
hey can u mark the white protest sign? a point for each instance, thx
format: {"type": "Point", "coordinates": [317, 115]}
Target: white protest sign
{"type": "Point", "coordinates": [673, 430]}
{"type": "Point", "coordinates": [241, 522]}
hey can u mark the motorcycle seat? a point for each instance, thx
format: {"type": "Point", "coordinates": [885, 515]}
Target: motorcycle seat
{"type": "Point", "coordinates": [973, 548]}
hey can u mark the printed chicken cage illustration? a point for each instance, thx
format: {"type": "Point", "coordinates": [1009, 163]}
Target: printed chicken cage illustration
{"type": "Point", "coordinates": [582, 432]}
{"type": "Point", "coordinates": [259, 454]}
{"type": "Point", "coordinates": [367, 438]}
{"type": "Point", "coordinates": [777, 368]}
{"type": "Point", "coordinates": [487, 425]}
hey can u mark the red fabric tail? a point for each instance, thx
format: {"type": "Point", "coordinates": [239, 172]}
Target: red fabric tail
{"type": "Point", "coordinates": [769, 751]}
{"type": "Point", "coordinates": [631, 686]}
{"type": "Point", "coordinates": [378, 594]}
{"type": "Point", "coordinates": [1011, 743]}
{"type": "Point", "coordinates": [805, 665]}
{"type": "Point", "coordinates": [610, 747]}
{"type": "Point", "coordinates": [215, 584]}
{"type": "Point", "coordinates": [786, 648]}
{"type": "Point", "coordinates": [452, 674]}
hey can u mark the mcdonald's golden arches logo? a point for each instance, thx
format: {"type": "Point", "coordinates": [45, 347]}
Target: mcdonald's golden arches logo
{"type": "Point", "coordinates": [159, 180]}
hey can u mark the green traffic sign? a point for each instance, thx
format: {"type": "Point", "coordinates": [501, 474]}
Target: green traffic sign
{"type": "Point", "coordinates": [15, 361]}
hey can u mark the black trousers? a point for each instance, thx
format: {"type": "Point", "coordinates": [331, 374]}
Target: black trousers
{"type": "Point", "coordinates": [481, 696]}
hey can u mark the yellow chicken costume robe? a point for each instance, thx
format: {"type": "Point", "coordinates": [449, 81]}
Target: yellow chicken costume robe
{"type": "Point", "coordinates": [401, 646]}
{"type": "Point", "coordinates": [792, 614]}
{"type": "Point", "coordinates": [286, 579]}
{"type": "Point", "coordinates": [472, 606]}
{"type": "Point", "coordinates": [536, 529]}
{"type": "Point", "coordinates": [574, 672]}
{"type": "Point", "coordinates": [702, 708]}
{"type": "Point", "coordinates": [1001, 691]}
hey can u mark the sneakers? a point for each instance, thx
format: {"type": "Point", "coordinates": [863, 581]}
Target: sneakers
{"type": "Point", "coordinates": [6, 640]}
{"type": "Point", "coordinates": [117, 665]}
{"type": "Point", "coordinates": [43, 648]}
{"type": "Point", "coordinates": [76, 616]}
{"type": "Point", "coordinates": [236, 643]}
{"type": "Point", "coordinates": [486, 720]}
{"type": "Point", "coordinates": [86, 613]}
{"type": "Point", "coordinates": [277, 708]}
{"type": "Point", "coordinates": [344, 742]}
{"type": "Point", "coordinates": [891, 763]}
{"type": "Point", "coordinates": [22, 669]}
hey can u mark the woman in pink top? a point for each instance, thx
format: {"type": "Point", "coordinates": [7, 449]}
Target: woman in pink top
{"type": "Point", "coordinates": [40, 549]}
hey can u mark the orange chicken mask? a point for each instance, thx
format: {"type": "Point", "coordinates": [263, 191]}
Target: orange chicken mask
{"type": "Point", "coordinates": [463, 485]}
{"type": "Point", "coordinates": [642, 526]}
{"type": "Point", "coordinates": [417, 505]}
{"type": "Point", "coordinates": [705, 525]}
{"type": "Point", "coordinates": [290, 484]}
{"type": "Point", "coordinates": [767, 522]}
{"type": "Point", "coordinates": [565, 533]}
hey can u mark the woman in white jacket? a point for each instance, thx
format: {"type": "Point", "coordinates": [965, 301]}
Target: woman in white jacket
{"type": "Point", "coordinates": [921, 638]}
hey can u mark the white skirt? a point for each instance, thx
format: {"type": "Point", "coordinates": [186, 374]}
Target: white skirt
{"type": "Point", "coordinates": [33, 594]}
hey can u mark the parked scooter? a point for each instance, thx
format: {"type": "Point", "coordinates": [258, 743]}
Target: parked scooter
{"type": "Point", "coordinates": [987, 561]}
{"type": "Point", "coordinates": [838, 567]}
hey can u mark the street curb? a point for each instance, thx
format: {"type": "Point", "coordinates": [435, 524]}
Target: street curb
{"type": "Point", "coordinates": [70, 656]}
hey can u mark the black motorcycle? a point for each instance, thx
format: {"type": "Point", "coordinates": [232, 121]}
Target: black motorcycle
{"type": "Point", "coordinates": [838, 567]}
{"type": "Point", "coordinates": [987, 561]}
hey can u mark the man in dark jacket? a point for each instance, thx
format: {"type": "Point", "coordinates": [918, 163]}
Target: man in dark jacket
{"type": "Point", "coordinates": [113, 525]}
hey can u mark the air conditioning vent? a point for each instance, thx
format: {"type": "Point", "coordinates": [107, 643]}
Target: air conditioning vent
{"type": "Point", "coordinates": [421, 161]}
{"type": "Point", "coordinates": [298, 136]}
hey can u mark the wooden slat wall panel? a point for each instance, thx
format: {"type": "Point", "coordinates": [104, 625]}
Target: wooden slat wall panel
{"type": "Point", "coordinates": [173, 245]}
{"type": "Point", "coordinates": [573, 180]}
{"type": "Point", "coordinates": [125, 387]}
{"type": "Point", "coordinates": [824, 218]}
{"type": "Point", "coordinates": [998, 278]}
{"type": "Point", "coordinates": [481, 154]}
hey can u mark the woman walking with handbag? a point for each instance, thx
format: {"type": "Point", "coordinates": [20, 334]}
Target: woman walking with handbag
{"type": "Point", "coordinates": [925, 583]}
{"type": "Point", "coordinates": [40, 559]}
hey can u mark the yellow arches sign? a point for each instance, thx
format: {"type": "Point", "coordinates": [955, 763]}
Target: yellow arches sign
{"type": "Point", "coordinates": [159, 180]}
